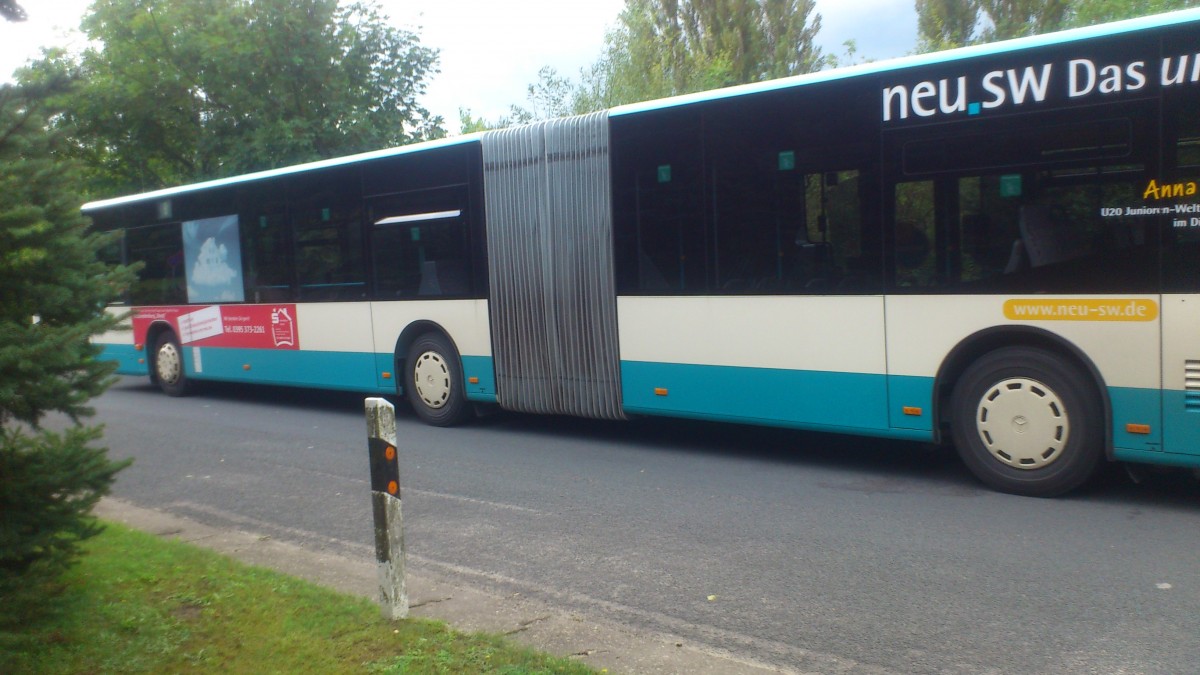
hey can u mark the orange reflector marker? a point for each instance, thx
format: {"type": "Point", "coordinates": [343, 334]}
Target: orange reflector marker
{"type": "Point", "coordinates": [660, 391]}
{"type": "Point", "coordinates": [390, 453]}
{"type": "Point", "coordinates": [245, 366]}
{"type": "Point", "coordinates": [139, 347]}
{"type": "Point", "coordinates": [141, 360]}
{"type": "Point", "coordinates": [393, 487]}
{"type": "Point", "coordinates": [473, 380]}
{"type": "Point", "coordinates": [912, 410]}
{"type": "Point", "coordinates": [1138, 428]}
{"type": "Point", "coordinates": [387, 375]}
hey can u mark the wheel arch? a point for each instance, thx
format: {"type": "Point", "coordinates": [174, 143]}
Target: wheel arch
{"type": "Point", "coordinates": [153, 333]}
{"type": "Point", "coordinates": [410, 333]}
{"type": "Point", "coordinates": [977, 344]}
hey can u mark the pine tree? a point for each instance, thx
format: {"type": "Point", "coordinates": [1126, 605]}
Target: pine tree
{"type": "Point", "coordinates": [53, 294]}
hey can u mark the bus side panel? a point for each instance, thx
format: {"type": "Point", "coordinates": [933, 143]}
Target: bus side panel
{"type": "Point", "coordinates": [332, 349]}
{"type": "Point", "coordinates": [812, 362]}
{"type": "Point", "coordinates": [465, 322]}
{"type": "Point", "coordinates": [348, 371]}
{"type": "Point", "coordinates": [129, 360]}
{"type": "Point", "coordinates": [922, 330]}
{"type": "Point", "coordinates": [118, 345]}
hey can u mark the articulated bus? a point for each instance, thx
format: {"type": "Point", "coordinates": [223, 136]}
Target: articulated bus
{"type": "Point", "coordinates": [996, 247]}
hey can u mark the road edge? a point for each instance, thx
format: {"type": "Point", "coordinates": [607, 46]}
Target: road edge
{"type": "Point", "coordinates": [600, 644]}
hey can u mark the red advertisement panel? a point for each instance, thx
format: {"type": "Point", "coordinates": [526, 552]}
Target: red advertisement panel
{"type": "Point", "coordinates": [245, 326]}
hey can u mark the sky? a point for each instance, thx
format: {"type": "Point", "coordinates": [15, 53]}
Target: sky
{"type": "Point", "coordinates": [492, 51]}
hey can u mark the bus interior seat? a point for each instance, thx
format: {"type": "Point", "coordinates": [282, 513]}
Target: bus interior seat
{"type": "Point", "coordinates": [443, 277]}
{"type": "Point", "coordinates": [649, 276]}
{"type": "Point", "coordinates": [1016, 259]}
{"type": "Point", "coordinates": [1042, 237]}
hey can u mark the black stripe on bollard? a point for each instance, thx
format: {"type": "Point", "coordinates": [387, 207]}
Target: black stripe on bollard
{"type": "Point", "coordinates": [385, 468]}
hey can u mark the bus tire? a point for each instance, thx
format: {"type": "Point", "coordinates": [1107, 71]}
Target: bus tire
{"type": "Point", "coordinates": [169, 371]}
{"type": "Point", "coordinates": [434, 383]}
{"type": "Point", "coordinates": [1026, 422]}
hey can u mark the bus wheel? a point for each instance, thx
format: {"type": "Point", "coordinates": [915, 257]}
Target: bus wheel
{"type": "Point", "coordinates": [1027, 423]}
{"type": "Point", "coordinates": [435, 381]}
{"type": "Point", "coordinates": [168, 366]}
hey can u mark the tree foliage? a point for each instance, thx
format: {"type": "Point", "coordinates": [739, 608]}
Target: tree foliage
{"type": "Point", "coordinates": [944, 24]}
{"type": "Point", "coordinates": [1092, 12]}
{"type": "Point", "coordinates": [53, 293]}
{"type": "Point", "coordinates": [176, 91]}
{"type": "Point", "coordinates": [663, 48]}
{"type": "Point", "coordinates": [669, 47]}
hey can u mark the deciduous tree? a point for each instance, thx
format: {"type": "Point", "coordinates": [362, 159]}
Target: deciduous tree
{"type": "Point", "coordinates": [175, 91]}
{"type": "Point", "coordinates": [663, 48]}
{"type": "Point", "coordinates": [943, 24]}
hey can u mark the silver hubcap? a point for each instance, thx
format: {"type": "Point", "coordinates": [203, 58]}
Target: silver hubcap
{"type": "Point", "coordinates": [1023, 423]}
{"type": "Point", "coordinates": [168, 363]}
{"type": "Point", "coordinates": [431, 379]}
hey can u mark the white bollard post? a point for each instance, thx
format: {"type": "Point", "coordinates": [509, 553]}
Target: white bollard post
{"type": "Point", "coordinates": [385, 502]}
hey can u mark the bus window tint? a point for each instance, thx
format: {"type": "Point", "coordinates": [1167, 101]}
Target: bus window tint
{"type": "Point", "coordinates": [113, 253]}
{"type": "Point", "coordinates": [914, 234]}
{"type": "Point", "coordinates": [329, 253]}
{"type": "Point", "coordinates": [161, 281]}
{"type": "Point", "coordinates": [660, 207]}
{"type": "Point", "coordinates": [1047, 231]}
{"type": "Point", "coordinates": [828, 249]}
{"type": "Point", "coordinates": [421, 254]}
{"type": "Point", "coordinates": [1181, 245]}
{"type": "Point", "coordinates": [988, 224]}
{"type": "Point", "coordinates": [420, 244]}
{"type": "Point", "coordinates": [267, 257]}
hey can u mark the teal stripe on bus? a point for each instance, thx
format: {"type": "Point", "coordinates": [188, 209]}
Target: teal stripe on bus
{"type": "Point", "coordinates": [126, 357]}
{"type": "Point", "coordinates": [1131, 405]}
{"type": "Point", "coordinates": [481, 368]}
{"type": "Point", "coordinates": [908, 392]}
{"type": "Point", "coordinates": [803, 399]}
{"type": "Point", "coordinates": [1181, 422]}
{"type": "Point", "coordinates": [346, 371]}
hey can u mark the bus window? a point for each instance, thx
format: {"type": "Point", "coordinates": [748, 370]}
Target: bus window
{"type": "Point", "coordinates": [914, 234]}
{"type": "Point", "coordinates": [660, 206]}
{"type": "Point", "coordinates": [1071, 230]}
{"type": "Point", "coordinates": [1181, 246]}
{"type": "Point", "coordinates": [267, 257]}
{"type": "Point", "coordinates": [329, 252]}
{"type": "Point", "coordinates": [420, 245]}
{"type": "Point", "coordinates": [161, 281]}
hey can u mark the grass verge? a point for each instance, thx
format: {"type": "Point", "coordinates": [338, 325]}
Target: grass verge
{"type": "Point", "coordinates": [137, 603]}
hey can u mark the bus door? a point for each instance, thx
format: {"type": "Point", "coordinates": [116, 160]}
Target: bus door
{"type": "Point", "coordinates": [1181, 373]}
{"type": "Point", "coordinates": [1177, 189]}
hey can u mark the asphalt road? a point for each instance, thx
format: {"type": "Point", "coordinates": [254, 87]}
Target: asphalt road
{"type": "Point", "coordinates": [807, 551]}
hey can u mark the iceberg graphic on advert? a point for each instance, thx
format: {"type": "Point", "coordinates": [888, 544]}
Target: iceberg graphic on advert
{"type": "Point", "coordinates": [283, 327]}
